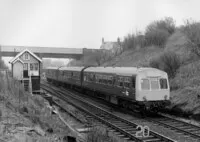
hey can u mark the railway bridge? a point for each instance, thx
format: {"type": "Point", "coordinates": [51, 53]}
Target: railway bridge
{"type": "Point", "coordinates": [44, 52]}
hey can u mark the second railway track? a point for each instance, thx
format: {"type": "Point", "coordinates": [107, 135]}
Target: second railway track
{"type": "Point", "coordinates": [178, 126]}
{"type": "Point", "coordinates": [121, 126]}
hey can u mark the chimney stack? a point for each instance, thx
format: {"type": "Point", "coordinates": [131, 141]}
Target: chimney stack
{"type": "Point", "coordinates": [118, 40]}
{"type": "Point", "coordinates": [102, 40]}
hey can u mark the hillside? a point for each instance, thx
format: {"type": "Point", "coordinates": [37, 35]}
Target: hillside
{"type": "Point", "coordinates": [186, 95]}
{"type": "Point", "coordinates": [184, 86]}
{"type": "Point", "coordinates": [141, 57]}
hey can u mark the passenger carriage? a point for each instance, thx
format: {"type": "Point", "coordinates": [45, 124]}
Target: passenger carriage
{"type": "Point", "coordinates": [130, 87]}
{"type": "Point", "coordinates": [70, 75]}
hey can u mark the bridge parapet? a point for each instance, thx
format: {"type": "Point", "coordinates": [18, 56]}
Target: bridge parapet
{"type": "Point", "coordinates": [43, 52]}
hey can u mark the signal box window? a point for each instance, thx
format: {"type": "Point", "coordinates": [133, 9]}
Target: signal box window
{"type": "Point", "coordinates": [26, 56]}
{"type": "Point", "coordinates": [25, 66]}
{"type": "Point", "coordinates": [163, 83]}
{"type": "Point", "coordinates": [145, 84]}
{"type": "Point", "coordinates": [36, 66]}
{"type": "Point", "coordinates": [31, 67]}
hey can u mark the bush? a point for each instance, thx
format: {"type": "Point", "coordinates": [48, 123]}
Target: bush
{"type": "Point", "coordinates": [156, 37]}
{"type": "Point", "coordinates": [192, 30]}
{"type": "Point", "coordinates": [2, 65]}
{"type": "Point", "coordinates": [168, 62]}
{"type": "Point", "coordinates": [129, 42]}
{"type": "Point", "coordinates": [158, 32]}
{"type": "Point", "coordinates": [100, 134]}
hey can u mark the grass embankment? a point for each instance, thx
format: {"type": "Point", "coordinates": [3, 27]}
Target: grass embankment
{"type": "Point", "coordinates": [25, 117]}
{"type": "Point", "coordinates": [186, 90]}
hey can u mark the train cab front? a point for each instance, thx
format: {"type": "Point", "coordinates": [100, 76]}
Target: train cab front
{"type": "Point", "coordinates": [153, 92]}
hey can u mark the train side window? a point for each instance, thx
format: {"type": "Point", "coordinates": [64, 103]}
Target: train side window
{"type": "Point", "coordinates": [145, 85]}
{"type": "Point", "coordinates": [121, 82]}
{"type": "Point", "coordinates": [100, 79]}
{"type": "Point", "coordinates": [104, 79]}
{"type": "Point", "coordinates": [133, 81]}
{"type": "Point", "coordinates": [163, 83]}
{"type": "Point", "coordinates": [126, 82]}
{"type": "Point", "coordinates": [114, 79]}
{"type": "Point", "coordinates": [110, 80]}
{"type": "Point", "coordinates": [94, 77]}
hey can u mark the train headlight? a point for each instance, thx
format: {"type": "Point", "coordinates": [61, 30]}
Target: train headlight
{"type": "Point", "coordinates": [165, 97]}
{"type": "Point", "coordinates": [144, 98]}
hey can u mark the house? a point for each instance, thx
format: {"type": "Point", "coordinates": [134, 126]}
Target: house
{"type": "Point", "coordinates": [113, 46]}
{"type": "Point", "coordinates": [26, 68]}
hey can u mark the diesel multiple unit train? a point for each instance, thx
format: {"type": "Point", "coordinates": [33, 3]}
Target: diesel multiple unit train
{"type": "Point", "coordinates": [130, 87]}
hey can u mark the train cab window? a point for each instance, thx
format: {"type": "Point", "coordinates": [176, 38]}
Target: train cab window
{"type": "Point", "coordinates": [145, 85]}
{"type": "Point", "coordinates": [154, 84]}
{"type": "Point", "coordinates": [163, 83]}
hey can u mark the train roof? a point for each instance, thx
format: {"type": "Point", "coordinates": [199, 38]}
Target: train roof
{"type": "Point", "coordinates": [66, 68]}
{"type": "Point", "coordinates": [129, 71]}
{"type": "Point", "coordinates": [71, 68]}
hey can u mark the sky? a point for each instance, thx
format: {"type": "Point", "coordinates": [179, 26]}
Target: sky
{"type": "Point", "coordinates": [83, 23]}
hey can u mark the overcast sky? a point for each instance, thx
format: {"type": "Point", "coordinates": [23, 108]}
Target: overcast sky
{"type": "Point", "coordinates": [83, 23]}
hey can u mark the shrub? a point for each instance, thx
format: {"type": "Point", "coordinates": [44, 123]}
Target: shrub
{"type": "Point", "coordinates": [192, 30]}
{"type": "Point", "coordinates": [2, 65]}
{"type": "Point", "coordinates": [129, 42]}
{"type": "Point", "coordinates": [168, 62]}
{"type": "Point", "coordinates": [158, 32]}
{"type": "Point", "coordinates": [100, 134]}
{"type": "Point", "coordinates": [156, 37]}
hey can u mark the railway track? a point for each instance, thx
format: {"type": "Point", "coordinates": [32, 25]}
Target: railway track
{"type": "Point", "coordinates": [177, 125]}
{"type": "Point", "coordinates": [120, 126]}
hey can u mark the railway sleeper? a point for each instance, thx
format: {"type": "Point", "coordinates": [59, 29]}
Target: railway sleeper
{"type": "Point", "coordinates": [186, 127]}
{"type": "Point", "coordinates": [152, 140]}
{"type": "Point", "coordinates": [127, 127]}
